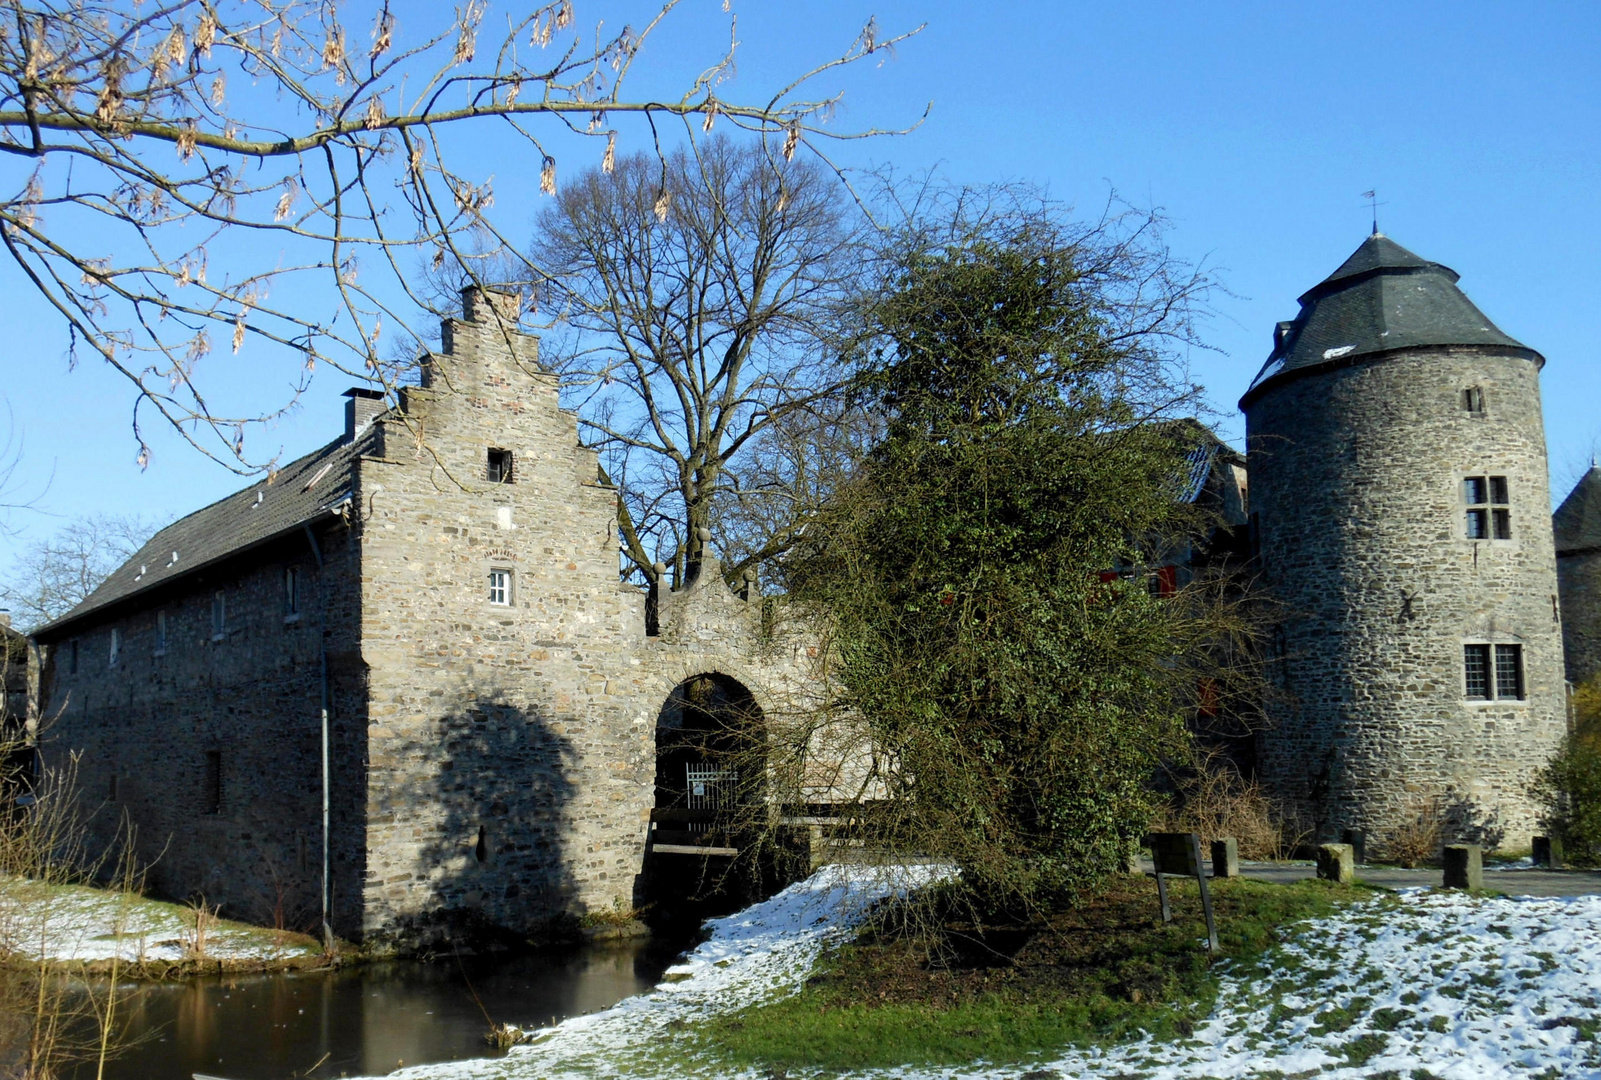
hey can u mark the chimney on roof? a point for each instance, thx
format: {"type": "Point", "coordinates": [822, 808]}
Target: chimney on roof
{"type": "Point", "coordinates": [361, 406]}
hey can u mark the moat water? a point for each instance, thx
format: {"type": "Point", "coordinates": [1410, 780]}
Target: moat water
{"type": "Point", "coordinates": [367, 1020]}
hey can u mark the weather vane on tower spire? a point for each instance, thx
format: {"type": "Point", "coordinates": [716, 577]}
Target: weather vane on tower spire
{"type": "Point", "coordinates": [1373, 204]}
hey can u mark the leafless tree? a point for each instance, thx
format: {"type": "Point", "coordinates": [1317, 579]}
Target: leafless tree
{"type": "Point", "coordinates": [52, 576]}
{"type": "Point", "coordinates": [202, 174]}
{"type": "Point", "coordinates": [701, 295]}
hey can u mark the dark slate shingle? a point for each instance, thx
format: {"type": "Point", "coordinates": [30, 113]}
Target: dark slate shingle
{"type": "Point", "coordinates": [1577, 522]}
{"type": "Point", "coordinates": [302, 491]}
{"type": "Point", "coordinates": [1381, 298]}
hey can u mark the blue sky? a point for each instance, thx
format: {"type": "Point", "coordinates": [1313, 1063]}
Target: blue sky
{"type": "Point", "coordinates": [1255, 126]}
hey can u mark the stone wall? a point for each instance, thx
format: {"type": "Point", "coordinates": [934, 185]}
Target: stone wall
{"type": "Point", "coordinates": [141, 728]}
{"type": "Point", "coordinates": [512, 746]}
{"type": "Point", "coordinates": [1356, 496]}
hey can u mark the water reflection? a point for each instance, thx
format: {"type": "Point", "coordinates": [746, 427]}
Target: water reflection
{"type": "Point", "coordinates": [367, 1020]}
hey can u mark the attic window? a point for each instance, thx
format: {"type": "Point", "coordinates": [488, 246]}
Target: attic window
{"type": "Point", "coordinates": [1473, 399]}
{"type": "Point", "coordinates": [500, 471]}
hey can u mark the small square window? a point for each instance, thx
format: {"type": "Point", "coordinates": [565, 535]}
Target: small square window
{"type": "Point", "coordinates": [211, 784]}
{"type": "Point", "coordinates": [500, 586]}
{"type": "Point", "coordinates": [1477, 529]}
{"type": "Point", "coordinates": [500, 467]}
{"type": "Point", "coordinates": [1473, 490]}
{"type": "Point", "coordinates": [291, 590]}
{"type": "Point", "coordinates": [1502, 520]}
{"type": "Point", "coordinates": [1473, 399]}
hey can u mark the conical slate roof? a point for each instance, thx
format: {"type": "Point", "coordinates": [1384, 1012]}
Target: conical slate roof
{"type": "Point", "coordinates": [1577, 522]}
{"type": "Point", "coordinates": [1381, 299]}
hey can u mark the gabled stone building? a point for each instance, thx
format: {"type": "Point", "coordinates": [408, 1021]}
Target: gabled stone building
{"type": "Point", "coordinates": [407, 653]}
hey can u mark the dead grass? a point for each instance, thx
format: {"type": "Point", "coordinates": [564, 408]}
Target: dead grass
{"type": "Point", "coordinates": [1416, 840]}
{"type": "Point", "coordinates": [1215, 801]}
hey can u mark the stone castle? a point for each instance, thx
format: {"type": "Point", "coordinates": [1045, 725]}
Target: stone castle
{"type": "Point", "coordinates": [401, 676]}
{"type": "Point", "coordinates": [408, 654]}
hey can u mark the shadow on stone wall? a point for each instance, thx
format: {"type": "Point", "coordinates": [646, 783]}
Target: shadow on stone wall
{"type": "Point", "coordinates": [474, 834]}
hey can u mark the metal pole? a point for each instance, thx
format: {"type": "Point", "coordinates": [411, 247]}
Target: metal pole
{"type": "Point", "coordinates": [325, 896]}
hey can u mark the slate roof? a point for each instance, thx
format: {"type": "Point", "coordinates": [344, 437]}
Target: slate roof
{"type": "Point", "coordinates": [1382, 298]}
{"type": "Point", "coordinates": [310, 487]}
{"type": "Point", "coordinates": [1577, 522]}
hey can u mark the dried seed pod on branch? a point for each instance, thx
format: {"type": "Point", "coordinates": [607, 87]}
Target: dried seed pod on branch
{"type": "Point", "coordinates": [138, 162]}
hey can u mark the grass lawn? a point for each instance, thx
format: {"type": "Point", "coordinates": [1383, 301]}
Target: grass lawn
{"type": "Point", "coordinates": [1097, 973]}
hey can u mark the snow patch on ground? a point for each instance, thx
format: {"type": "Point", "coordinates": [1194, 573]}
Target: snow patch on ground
{"type": "Point", "coordinates": [77, 923]}
{"type": "Point", "coordinates": [1443, 985]}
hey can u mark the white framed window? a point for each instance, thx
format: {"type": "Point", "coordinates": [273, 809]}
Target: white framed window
{"type": "Point", "coordinates": [291, 591]}
{"type": "Point", "coordinates": [500, 586]}
{"type": "Point", "coordinates": [116, 647]}
{"type": "Point", "coordinates": [219, 615]}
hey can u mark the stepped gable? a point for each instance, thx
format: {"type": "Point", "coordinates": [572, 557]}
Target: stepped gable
{"type": "Point", "coordinates": [1577, 522]}
{"type": "Point", "coordinates": [302, 491]}
{"type": "Point", "coordinates": [1381, 299]}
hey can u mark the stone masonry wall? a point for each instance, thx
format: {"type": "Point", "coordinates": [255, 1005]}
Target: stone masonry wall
{"type": "Point", "coordinates": [143, 725]}
{"type": "Point", "coordinates": [512, 746]}
{"type": "Point", "coordinates": [1356, 491]}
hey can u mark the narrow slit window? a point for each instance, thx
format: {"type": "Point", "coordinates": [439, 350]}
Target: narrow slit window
{"type": "Point", "coordinates": [500, 467]}
{"type": "Point", "coordinates": [1473, 399]}
{"type": "Point", "coordinates": [116, 647]}
{"type": "Point", "coordinates": [161, 632]}
{"type": "Point", "coordinates": [1476, 666]}
{"type": "Point", "coordinates": [1509, 671]}
{"type": "Point", "coordinates": [500, 587]}
{"type": "Point", "coordinates": [219, 616]}
{"type": "Point", "coordinates": [72, 658]}
{"type": "Point", "coordinates": [211, 784]}
{"type": "Point", "coordinates": [291, 590]}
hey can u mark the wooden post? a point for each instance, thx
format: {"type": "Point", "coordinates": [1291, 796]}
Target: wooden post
{"type": "Point", "coordinates": [1206, 894]}
{"type": "Point", "coordinates": [1161, 893]}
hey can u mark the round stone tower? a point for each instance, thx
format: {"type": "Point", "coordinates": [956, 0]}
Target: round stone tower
{"type": "Point", "coordinates": [1401, 516]}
